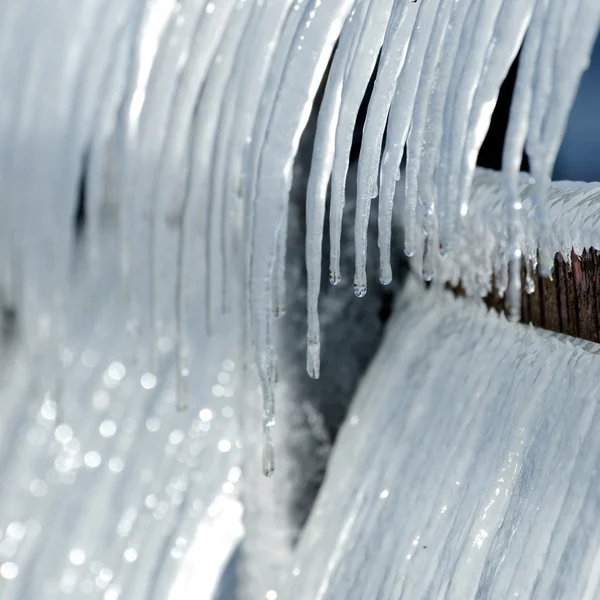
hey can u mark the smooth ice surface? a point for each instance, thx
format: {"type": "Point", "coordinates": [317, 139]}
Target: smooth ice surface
{"type": "Point", "coordinates": [465, 469]}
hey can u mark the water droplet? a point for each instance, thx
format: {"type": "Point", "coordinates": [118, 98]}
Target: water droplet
{"type": "Point", "coordinates": [77, 557]}
{"type": "Point", "coordinates": [130, 555]}
{"type": "Point", "coordinates": [205, 415]}
{"type": "Point", "coordinates": [15, 530]}
{"type": "Point", "coordinates": [176, 437]}
{"type": "Point", "coordinates": [63, 433]}
{"type": "Point", "coordinates": [108, 428]}
{"type": "Point", "coordinates": [360, 289]}
{"type": "Point", "coordinates": [334, 277]}
{"type": "Point", "coordinates": [9, 570]}
{"type": "Point", "coordinates": [116, 371]}
{"type": "Point", "coordinates": [224, 445]}
{"type": "Point", "coordinates": [92, 459]}
{"type": "Point", "coordinates": [148, 381]}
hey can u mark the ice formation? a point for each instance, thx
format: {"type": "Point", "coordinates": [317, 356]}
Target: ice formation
{"type": "Point", "coordinates": [181, 121]}
{"type": "Point", "coordinates": [189, 113]}
{"type": "Point", "coordinates": [439, 91]}
{"type": "Point", "coordinates": [487, 436]}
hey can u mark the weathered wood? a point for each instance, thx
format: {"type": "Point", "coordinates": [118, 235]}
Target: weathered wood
{"type": "Point", "coordinates": [568, 303]}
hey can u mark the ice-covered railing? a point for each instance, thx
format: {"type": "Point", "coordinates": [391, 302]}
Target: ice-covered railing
{"type": "Point", "coordinates": [573, 213]}
{"type": "Point", "coordinates": [465, 467]}
{"type": "Point", "coordinates": [189, 114]}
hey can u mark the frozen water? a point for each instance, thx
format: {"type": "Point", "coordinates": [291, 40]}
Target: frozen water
{"type": "Point", "coordinates": [473, 441]}
{"type": "Point", "coordinates": [181, 120]}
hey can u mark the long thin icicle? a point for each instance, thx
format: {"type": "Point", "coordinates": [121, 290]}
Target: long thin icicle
{"type": "Point", "coordinates": [459, 167]}
{"type": "Point", "coordinates": [391, 62]}
{"type": "Point", "coordinates": [248, 184]}
{"type": "Point", "coordinates": [318, 181]}
{"type": "Point", "coordinates": [567, 68]}
{"type": "Point", "coordinates": [460, 29]}
{"type": "Point", "coordinates": [419, 120]}
{"type": "Point", "coordinates": [167, 193]}
{"type": "Point", "coordinates": [153, 20]}
{"type": "Point", "coordinates": [398, 126]}
{"type": "Point", "coordinates": [303, 72]}
{"type": "Point", "coordinates": [514, 145]}
{"type": "Point", "coordinates": [251, 75]}
{"type": "Point", "coordinates": [154, 123]}
{"type": "Point", "coordinates": [542, 87]}
{"type": "Point", "coordinates": [571, 64]}
{"type": "Point", "coordinates": [479, 29]}
{"type": "Point", "coordinates": [198, 203]}
{"type": "Point", "coordinates": [355, 85]}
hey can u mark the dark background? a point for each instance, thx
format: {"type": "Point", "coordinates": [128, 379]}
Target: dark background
{"type": "Point", "coordinates": [579, 156]}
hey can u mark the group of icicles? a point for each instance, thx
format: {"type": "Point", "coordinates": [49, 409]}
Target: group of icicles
{"type": "Point", "coordinates": [441, 65]}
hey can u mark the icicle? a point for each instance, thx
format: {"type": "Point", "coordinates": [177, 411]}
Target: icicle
{"type": "Point", "coordinates": [318, 181]}
{"type": "Point", "coordinates": [279, 273]}
{"type": "Point", "coordinates": [470, 61]}
{"type": "Point", "coordinates": [529, 274]}
{"type": "Point", "coordinates": [165, 77]}
{"type": "Point", "coordinates": [212, 21]}
{"type": "Point", "coordinates": [215, 47]}
{"type": "Point", "coordinates": [96, 114]}
{"type": "Point", "coordinates": [512, 155]}
{"type": "Point", "coordinates": [393, 55]}
{"type": "Point", "coordinates": [510, 27]}
{"type": "Point", "coordinates": [101, 147]}
{"type": "Point", "coordinates": [13, 126]}
{"type": "Point", "coordinates": [250, 76]}
{"type": "Point", "coordinates": [542, 86]}
{"type": "Point", "coordinates": [12, 250]}
{"type": "Point", "coordinates": [193, 132]}
{"type": "Point", "coordinates": [299, 83]}
{"type": "Point", "coordinates": [427, 79]}
{"type": "Point", "coordinates": [12, 222]}
{"type": "Point", "coordinates": [161, 101]}
{"type": "Point", "coordinates": [398, 124]}
{"type": "Point", "coordinates": [181, 347]}
{"type": "Point", "coordinates": [567, 67]}
{"type": "Point", "coordinates": [253, 148]}
{"type": "Point", "coordinates": [458, 31]}
{"type": "Point", "coordinates": [260, 128]}
{"type": "Point", "coordinates": [77, 105]}
{"type": "Point", "coordinates": [355, 84]}
{"type": "Point", "coordinates": [153, 21]}
{"type": "Point", "coordinates": [200, 145]}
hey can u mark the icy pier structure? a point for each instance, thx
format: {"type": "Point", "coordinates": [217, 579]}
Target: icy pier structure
{"type": "Point", "coordinates": [140, 341]}
{"type": "Point", "coordinates": [474, 446]}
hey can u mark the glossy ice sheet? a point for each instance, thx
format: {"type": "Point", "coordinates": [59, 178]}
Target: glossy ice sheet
{"type": "Point", "coordinates": [467, 468]}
